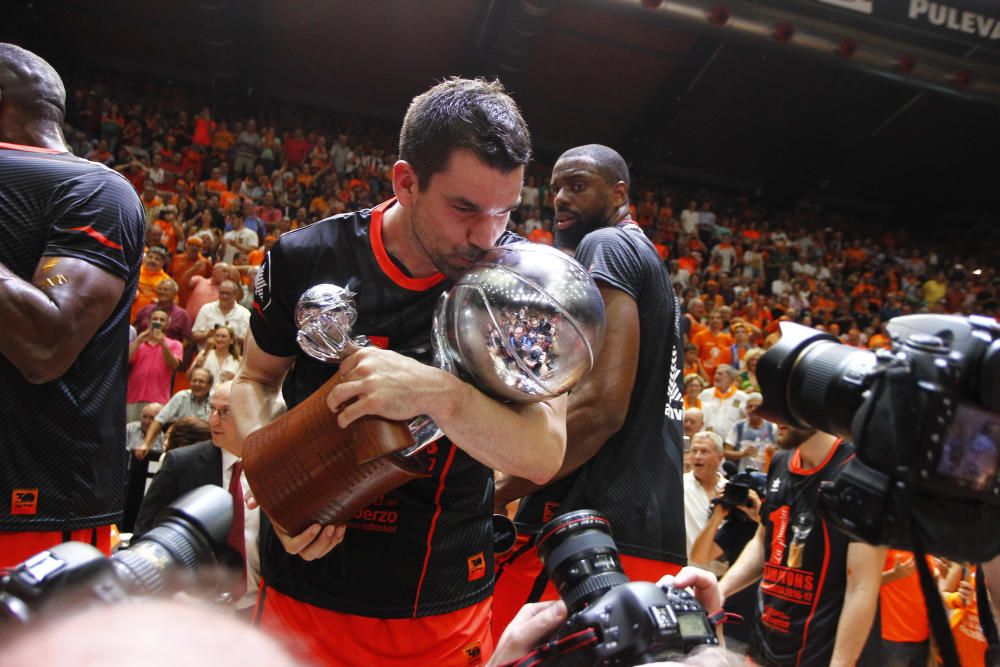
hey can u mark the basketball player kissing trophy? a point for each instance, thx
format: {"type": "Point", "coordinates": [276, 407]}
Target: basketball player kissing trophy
{"type": "Point", "coordinates": [523, 324]}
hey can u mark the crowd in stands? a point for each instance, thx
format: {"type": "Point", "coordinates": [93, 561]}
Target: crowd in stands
{"type": "Point", "coordinates": [219, 189]}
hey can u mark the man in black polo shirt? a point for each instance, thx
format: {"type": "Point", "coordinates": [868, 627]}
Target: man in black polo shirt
{"type": "Point", "coordinates": [71, 238]}
{"type": "Point", "coordinates": [624, 436]}
{"type": "Point", "coordinates": [819, 589]}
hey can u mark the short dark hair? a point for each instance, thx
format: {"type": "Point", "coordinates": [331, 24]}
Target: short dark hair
{"type": "Point", "coordinates": [470, 114]}
{"type": "Point", "coordinates": [610, 163]}
{"type": "Point", "coordinates": [186, 431]}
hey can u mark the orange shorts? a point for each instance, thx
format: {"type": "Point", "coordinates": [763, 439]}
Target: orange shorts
{"type": "Point", "coordinates": [15, 548]}
{"type": "Point", "coordinates": [519, 568]}
{"type": "Point", "coordinates": [457, 639]}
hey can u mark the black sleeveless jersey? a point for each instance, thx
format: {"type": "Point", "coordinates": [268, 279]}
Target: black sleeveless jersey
{"type": "Point", "coordinates": [635, 479]}
{"type": "Point", "coordinates": [805, 565]}
{"type": "Point", "coordinates": [425, 548]}
{"type": "Point", "coordinates": [64, 441]}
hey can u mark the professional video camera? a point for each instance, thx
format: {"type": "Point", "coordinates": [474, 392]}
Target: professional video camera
{"type": "Point", "coordinates": [925, 418]}
{"type": "Point", "coordinates": [169, 557]}
{"type": "Point", "coordinates": [612, 621]}
{"type": "Point", "coordinates": [737, 491]}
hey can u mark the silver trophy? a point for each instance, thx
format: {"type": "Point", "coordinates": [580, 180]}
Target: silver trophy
{"type": "Point", "coordinates": [524, 324]}
{"type": "Point", "coordinates": [325, 314]}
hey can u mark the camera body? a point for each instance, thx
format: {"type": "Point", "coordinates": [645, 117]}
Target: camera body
{"type": "Point", "coordinates": [632, 622]}
{"type": "Point", "coordinates": [737, 491]}
{"type": "Point", "coordinates": [189, 534]}
{"type": "Point", "coordinates": [924, 417]}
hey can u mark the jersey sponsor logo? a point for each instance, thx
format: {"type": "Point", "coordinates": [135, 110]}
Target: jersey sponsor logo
{"type": "Point", "coordinates": [24, 501]}
{"type": "Point", "coordinates": [262, 285]}
{"type": "Point", "coordinates": [477, 566]}
{"type": "Point", "coordinates": [473, 653]}
{"type": "Point", "coordinates": [777, 620]}
{"type": "Point", "coordinates": [789, 584]}
{"type": "Point", "coordinates": [379, 517]}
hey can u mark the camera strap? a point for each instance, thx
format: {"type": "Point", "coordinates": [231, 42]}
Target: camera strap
{"type": "Point", "coordinates": [986, 622]}
{"type": "Point", "coordinates": [928, 586]}
{"type": "Point", "coordinates": [557, 647]}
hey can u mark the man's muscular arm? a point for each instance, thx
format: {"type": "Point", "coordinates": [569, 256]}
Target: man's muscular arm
{"type": "Point", "coordinates": [599, 403]}
{"type": "Point", "coordinates": [864, 578]}
{"type": "Point", "coordinates": [48, 321]}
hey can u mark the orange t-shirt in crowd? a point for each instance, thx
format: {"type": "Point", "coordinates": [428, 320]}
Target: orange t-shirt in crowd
{"type": "Point", "coordinates": [179, 266]}
{"type": "Point", "coordinates": [688, 264]}
{"type": "Point", "coordinates": [969, 640]}
{"type": "Point", "coordinates": [169, 240]}
{"type": "Point", "coordinates": [904, 612]}
{"type": "Point", "coordinates": [145, 293]}
{"type": "Point", "coordinates": [256, 256]}
{"type": "Point", "coordinates": [539, 235]}
{"type": "Point", "coordinates": [713, 349]}
{"type": "Point", "coordinates": [662, 250]}
{"type": "Point", "coordinates": [215, 186]}
{"type": "Point", "coordinates": [227, 197]}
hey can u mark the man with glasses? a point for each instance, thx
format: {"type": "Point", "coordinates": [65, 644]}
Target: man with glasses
{"type": "Point", "coordinates": [193, 402]}
{"type": "Point", "coordinates": [216, 462]}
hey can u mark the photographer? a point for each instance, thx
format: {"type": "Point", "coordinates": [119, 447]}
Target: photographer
{"type": "Point", "coordinates": [723, 538]}
{"type": "Point", "coordinates": [820, 589]}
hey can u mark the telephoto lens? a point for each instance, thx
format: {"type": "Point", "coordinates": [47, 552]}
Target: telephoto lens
{"type": "Point", "coordinates": [580, 557]}
{"type": "Point", "coordinates": [179, 553]}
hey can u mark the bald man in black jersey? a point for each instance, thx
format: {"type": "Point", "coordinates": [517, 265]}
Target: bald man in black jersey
{"type": "Point", "coordinates": [71, 238]}
{"type": "Point", "coordinates": [624, 436]}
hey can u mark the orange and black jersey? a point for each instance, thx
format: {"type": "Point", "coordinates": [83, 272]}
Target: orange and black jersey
{"type": "Point", "coordinates": [805, 565]}
{"type": "Point", "coordinates": [63, 441]}
{"type": "Point", "coordinates": [425, 548]}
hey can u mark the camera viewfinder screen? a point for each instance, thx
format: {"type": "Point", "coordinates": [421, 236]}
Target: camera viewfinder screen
{"type": "Point", "coordinates": [693, 626]}
{"type": "Point", "coordinates": [971, 448]}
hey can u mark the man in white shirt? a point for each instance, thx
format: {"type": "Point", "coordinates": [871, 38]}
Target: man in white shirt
{"type": "Point", "coordinates": [238, 239]}
{"type": "Point", "coordinates": [224, 311]}
{"type": "Point", "coordinates": [723, 404]}
{"type": "Point", "coordinates": [701, 485]}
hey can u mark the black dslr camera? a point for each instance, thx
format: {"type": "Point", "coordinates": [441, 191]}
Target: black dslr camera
{"type": "Point", "coordinates": [737, 492]}
{"type": "Point", "coordinates": [925, 418]}
{"type": "Point", "coordinates": [612, 621]}
{"type": "Point", "coordinates": [188, 535]}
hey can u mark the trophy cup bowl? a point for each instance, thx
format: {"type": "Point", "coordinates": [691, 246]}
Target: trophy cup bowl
{"type": "Point", "coordinates": [525, 323]}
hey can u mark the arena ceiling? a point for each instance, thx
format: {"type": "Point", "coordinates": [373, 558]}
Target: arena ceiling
{"type": "Point", "coordinates": [725, 105]}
